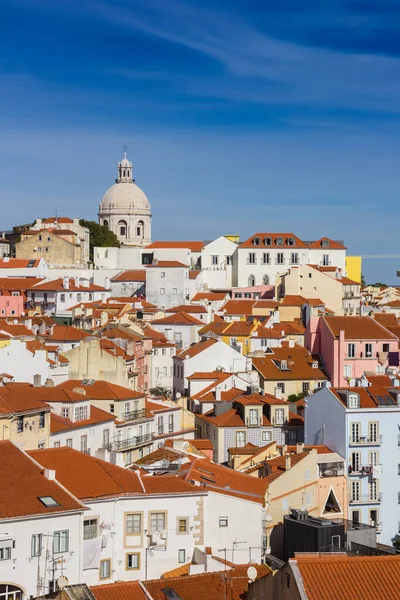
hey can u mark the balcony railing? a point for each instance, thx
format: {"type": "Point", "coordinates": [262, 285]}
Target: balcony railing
{"type": "Point", "coordinates": [365, 499]}
{"type": "Point", "coordinates": [132, 442]}
{"type": "Point", "coordinates": [251, 261]}
{"type": "Point", "coordinates": [363, 440]}
{"type": "Point", "coordinates": [133, 372]}
{"type": "Point", "coordinates": [280, 262]}
{"type": "Point", "coordinates": [361, 470]}
{"type": "Point", "coordinates": [134, 415]}
{"type": "Point", "coordinates": [266, 261]}
{"type": "Point", "coordinates": [294, 261]}
{"type": "Point", "coordinates": [331, 469]}
{"type": "Point", "coordinates": [325, 263]}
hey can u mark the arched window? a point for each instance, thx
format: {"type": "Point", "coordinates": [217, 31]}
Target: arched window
{"type": "Point", "coordinates": [105, 223]}
{"type": "Point", "coordinates": [123, 228]}
{"type": "Point", "coordinates": [252, 281]}
{"type": "Point", "coordinates": [140, 229]}
{"type": "Point", "coordinates": [124, 173]}
{"type": "Point", "coordinates": [265, 280]}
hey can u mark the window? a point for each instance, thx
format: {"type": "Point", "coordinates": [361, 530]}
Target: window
{"type": "Point", "coordinates": [61, 541]}
{"type": "Point", "coordinates": [368, 350]}
{"type": "Point", "coordinates": [162, 274]}
{"type": "Point", "coordinates": [42, 420]}
{"type": "Point", "coordinates": [160, 425]}
{"type": "Point", "coordinates": [127, 407]}
{"type": "Point", "coordinates": [133, 561]}
{"type": "Point", "coordinates": [133, 524]}
{"type": "Point", "coordinates": [305, 386]}
{"type": "Point", "coordinates": [355, 516]}
{"type": "Point", "coordinates": [265, 280]}
{"type": "Point", "coordinates": [40, 238]}
{"type": "Point", "coordinates": [223, 521]}
{"type": "Point", "coordinates": [373, 458]}
{"type": "Point", "coordinates": [308, 499]}
{"type": "Point", "coordinates": [251, 281]}
{"type": "Point", "coordinates": [229, 260]}
{"type": "Point", "coordinates": [89, 529]}
{"type": "Point", "coordinates": [353, 401]}
{"type": "Point", "coordinates": [83, 443]}
{"type": "Point", "coordinates": [122, 227]}
{"type": "Point", "coordinates": [181, 556]}
{"type": "Point", "coordinates": [351, 350]}
{"type": "Point", "coordinates": [265, 258]}
{"type": "Point", "coordinates": [214, 260]}
{"type": "Point", "coordinates": [335, 542]}
{"type": "Point", "coordinates": [347, 371]}
{"type": "Point", "coordinates": [36, 544]}
{"type": "Point", "coordinates": [5, 549]}
{"type": "Point", "coordinates": [355, 491]}
{"type": "Point", "coordinates": [20, 424]}
{"type": "Point", "coordinates": [174, 291]}
{"type": "Point", "coordinates": [253, 414]}
{"type": "Point", "coordinates": [41, 445]}
{"type": "Point", "coordinates": [373, 432]}
{"type": "Point", "coordinates": [170, 423]}
{"type": "Point", "coordinates": [162, 291]}
{"type": "Point", "coordinates": [157, 522]}
{"type": "Point", "coordinates": [105, 569]}
{"type": "Point", "coordinates": [266, 436]}
{"type": "Point", "coordinates": [325, 260]}
{"type": "Point", "coordinates": [79, 297]}
{"type": "Point", "coordinates": [112, 408]}
{"type": "Point", "coordinates": [385, 347]}
{"type": "Point", "coordinates": [252, 258]}
{"type": "Point", "coordinates": [279, 416]}
{"type": "Point", "coordinates": [240, 439]}
{"type": "Point", "coordinates": [81, 413]}
{"type": "Point", "coordinates": [294, 258]}
{"type": "Point", "coordinates": [373, 490]}
{"type": "Point", "coordinates": [373, 518]}
{"type": "Point", "coordinates": [355, 432]}
{"type": "Point", "coordinates": [65, 413]}
{"type": "Point", "coordinates": [281, 386]}
{"type": "Point", "coordinates": [106, 437]}
{"type": "Point", "coordinates": [68, 443]}
{"type": "Point", "coordinates": [183, 525]}
{"type": "Point", "coordinates": [355, 462]}
{"type": "Point", "coordinates": [267, 241]}
{"type": "Point", "coordinates": [280, 259]}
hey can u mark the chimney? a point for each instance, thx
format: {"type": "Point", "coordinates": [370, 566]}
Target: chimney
{"type": "Point", "coordinates": [66, 283]}
{"type": "Point", "coordinates": [291, 343]}
{"type": "Point", "coordinates": [218, 394]}
{"type": "Point", "coordinates": [222, 407]}
{"type": "Point", "coordinates": [37, 378]}
{"type": "Point", "coordinates": [299, 447]}
{"type": "Point", "coordinates": [284, 449]}
{"type": "Point", "coordinates": [28, 323]}
{"type": "Point", "coordinates": [288, 462]}
{"type": "Point", "coordinates": [49, 383]}
{"type": "Point", "coordinates": [77, 282]}
{"type": "Point", "coordinates": [107, 283]}
{"type": "Point", "coordinates": [50, 474]}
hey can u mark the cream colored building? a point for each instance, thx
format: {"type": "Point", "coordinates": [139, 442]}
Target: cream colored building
{"type": "Point", "coordinates": [23, 420]}
{"type": "Point", "coordinates": [340, 294]}
{"type": "Point", "coordinates": [61, 248]}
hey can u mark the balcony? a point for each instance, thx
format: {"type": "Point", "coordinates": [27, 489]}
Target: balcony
{"type": "Point", "coordinates": [133, 442]}
{"type": "Point", "coordinates": [279, 261]}
{"type": "Point", "coordinates": [363, 440]}
{"type": "Point", "coordinates": [133, 373]}
{"type": "Point", "coordinates": [325, 263]}
{"type": "Point", "coordinates": [294, 262]}
{"type": "Point", "coordinates": [134, 415]}
{"type": "Point", "coordinates": [362, 470]}
{"type": "Point", "coordinates": [251, 261]}
{"type": "Point", "coordinates": [365, 499]}
{"type": "Point", "coordinates": [335, 469]}
{"type": "Point", "coordinates": [266, 261]}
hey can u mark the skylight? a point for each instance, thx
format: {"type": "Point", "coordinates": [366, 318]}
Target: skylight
{"type": "Point", "coordinates": [48, 501]}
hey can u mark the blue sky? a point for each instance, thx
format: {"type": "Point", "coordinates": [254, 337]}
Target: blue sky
{"type": "Point", "coordinates": [239, 116]}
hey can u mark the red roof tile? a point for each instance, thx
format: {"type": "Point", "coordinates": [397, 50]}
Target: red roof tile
{"type": "Point", "coordinates": [168, 264]}
{"type": "Point", "coordinates": [178, 319]}
{"type": "Point", "coordinates": [130, 275]}
{"type": "Point", "coordinates": [361, 328]}
{"type": "Point", "coordinates": [97, 416]}
{"type": "Point", "coordinates": [193, 246]}
{"type": "Point", "coordinates": [187, 308]}
{"type": "Point", "coordinates": [17, 263]}
{"type": "Point", "coordinates": [65, 333]}
{"type": "Point", "coordinates": [58, 285]}
{"type": "Point", "coordinates": [210, 296]}
{"type": "Point", "coordinates": [100, 389]}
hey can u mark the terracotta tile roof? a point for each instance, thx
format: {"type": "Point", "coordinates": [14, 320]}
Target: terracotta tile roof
{"type": "Point", "coordinates": [50, 230]}
{"type": "Point", "coordinates": [18, 283]}
{"type": "Point", "coordinates": [17, 400]}
{"type": "Point", "coordinates": [230, 418]}
{"type": "Point", "coordinates": [22, 483]}
{"type": "Point", "coordinates": [187, 308]}
{"type": "Point", "coordinates": [327, 577]}
{"type": "Point", "coordinates": [319, 448]}
{"type": "Point", "coordinates": [58, 220]}
{"type": "Point", "coordinates": [64, 333]}
{"type": "Point", "coordinates": [289, 328]}
{"type": "Point", "coordinates": [158, 408]}
{"type": "Point", "coordinates": [358, 328]}
{"type": "Point", "coordinates": [17, 263]}
{"type": "Point", "coordinates": [100, 390]}
{"type": "Point", "coordinates": [115, 350]}
{"type": "Point", "coordinates": [178, 319]}
{"type": "Point", "coordinates": [393, 304]}
{"type": "Point", "coordinates": [97, 416]}
{"type": "Point", "coordinates": [223, 480]}
{"type": "Point", "coordinates": [333, 245]}
{"type": "Point", "coordinates": [57, 285]}
{"type": "Point", "coordinates": [130, 275]}
{"type": "Point", "coordinates": [300, 300]}
{"type": "Point", "coordinates": [216, 375]}
{"type": "Point", "coordinates": [247, 449]}
{"type": "Point", "coordinates": [202, 444]}
{"type": "Point", "coordinates": [193, 246]}
{"type": "Point", "coordinates": [238, 307]}
{"type": "Point", "coordinates": [215, 327]}
{"type": "Point", "coordinates": [15, 330]}
{"type": "Point", "coordinates": [87, 476]}
{"type": "Point", "coordinates": [25, 392]}
{"type": "Point", "coordinates": [210, 296]}
{"type": "Point", "coordinates": [124, 333]}
{"type": "Point", "coordinates": [181, 571]}
{"type": "Point", "coordinates": [167, 484]}
{"type": "Point", "coordinates": [370, 397]}
{"type": "Point", "coordinates": [163, 453]}
{"type": "Point", "coordinates": [196, 349]}
{"type": "Point", "coordinates": [123, 590]}
{"type": "Point", "coordinates": [379, 380]}
{"type": "Point", "coordinates": [386, 319]}
{"type": "Point", "coordinates": [299, 365]}
{"type": "Point", "coordinates": [167, 264]}
{"type": "Point", "coordinates": [297, 242]}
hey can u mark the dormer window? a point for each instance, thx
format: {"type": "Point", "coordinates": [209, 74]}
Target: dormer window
{"type": "Point", "coordinates": [267, 241]}
{"type": "Point", "coordinates": [290, 241]}
{"type": "Point", "coordinates": [279, 241]}
{"type": "Point", "coordinates": [314, 365]}
{"type": "Point", "coordinates": [253, 416]}
{"type": "Point", "coordinates": [284, 365]}
{"type": "Point", "coordinates": [256, 241]}
{"type": "Point", "coordinates": [353, 401]}
{"type": "Point", "coordinates": [325, 243]}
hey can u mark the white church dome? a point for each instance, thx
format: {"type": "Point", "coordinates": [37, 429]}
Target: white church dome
{"type": "Point", "coordinates": [124, 196]}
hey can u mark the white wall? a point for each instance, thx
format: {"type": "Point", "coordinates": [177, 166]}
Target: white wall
{"type": "Point", "coordinates": [162, 367]}
{"type": "Point", "coordinates": [168, 287]}
{"type": "Point", "coordinates": [182, 335]}
{"type": "Point", "coordinates": [217, 275]}
{"type": "Point", "coordinates": [41, 271]}
{"type": "Point", "coordinates": [22, 364]}
{"type": "Point", "coordinates": [117, 258]}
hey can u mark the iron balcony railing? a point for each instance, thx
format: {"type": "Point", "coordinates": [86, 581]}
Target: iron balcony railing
{"type": "Point", "coordinates": [132, 442]}
{"type": "Point", "coordinates": [361, 470]}
{"type": "Point", "coordinates": [364, 440]}
{"type": "Point", "coordinates": [133, 415]}
{"type": "Point", "coordinates": [365, 498]}
{"type": "Point", "coordinates": [279, 261]}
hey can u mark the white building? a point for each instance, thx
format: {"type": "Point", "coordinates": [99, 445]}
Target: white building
{"type": "Point", "coordinates": [5, 246]}
{"type": "Point", "coordinates": [205, 356]}
{"type": "Point", "coordinates": [131, 282]}
{"type": "Point", "coordinates": [216, 263]}
{"type": "Point", "coordinates": [362, 424]}
{"type": "Point", "coordinates": [23, 364]}
{"type": "Point", "coordinates": [167, 283]}
{"type": "Point", "coordinates": [188, 253]}
{"type": "Point", "coordinates": [57, 297]}
{"type": "Point", "coordinates": [125, 209]}
{"type": "Point", "coordinates": [179, 328]}
{"type": "Point", "coordinates": [259, 260]}
{"type": "Point", "coordinates": [41, 528]}
{"type": "Point", "coordinates": [23, 267]}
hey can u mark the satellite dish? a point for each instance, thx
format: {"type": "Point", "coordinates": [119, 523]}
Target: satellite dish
{"type": "Point", "coordinates": [178, 395]}
{"type": "Point", "coordinates": [252, 573]}
{"type": "Point", "coordinates": [62, 582]}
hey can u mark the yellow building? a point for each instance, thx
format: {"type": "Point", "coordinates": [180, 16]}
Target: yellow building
{"type": "Point", "coordinates": [24, 420]}
{"type": "Point", "coordinates": [58, 247]}
{"type": "Point", "coordinates": [354, 268]}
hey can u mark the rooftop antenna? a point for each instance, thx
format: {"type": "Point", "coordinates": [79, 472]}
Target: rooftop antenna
{"type": "Point", "coordinates": [56, 219]}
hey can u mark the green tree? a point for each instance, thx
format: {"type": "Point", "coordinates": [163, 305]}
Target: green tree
{"type": "Point", "coordinates": [99, 236]}
{"type": "Point", "coordinates": [295, 397]}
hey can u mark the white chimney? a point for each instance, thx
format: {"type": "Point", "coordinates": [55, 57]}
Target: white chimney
{"type": "Point", "coordinates": [291, 343]}
{"type": "Point", "coordinates": [107, 283]}
{"type": "Point", "coordinates": [288, 462]}
{"type": "Point", "coordinates": [299, 448]}
{"type": "Point", "coordinates": [218, 393]}
{"type": "Point", "coordinates": [66, 283]}
{"type": "Point", "coordinates": [50, 474]}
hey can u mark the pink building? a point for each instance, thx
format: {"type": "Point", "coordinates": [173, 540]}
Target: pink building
{"type": "Point", "coordinates": [349, 346]}
{"type": "Point", "coordinates": [11, 306]}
